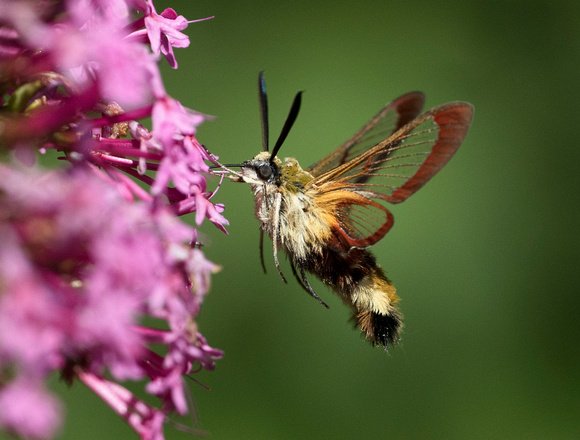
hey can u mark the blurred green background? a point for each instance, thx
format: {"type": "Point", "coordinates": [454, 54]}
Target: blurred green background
{"type": "Point", "coordinates": [484, 257]}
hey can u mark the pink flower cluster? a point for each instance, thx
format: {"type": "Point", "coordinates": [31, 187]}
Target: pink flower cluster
{"type": "Point", "coordinates": [95, 266]}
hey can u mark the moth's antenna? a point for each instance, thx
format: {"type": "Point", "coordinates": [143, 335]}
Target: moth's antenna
{"type": "Point", "coordinates": [263, 109]}
{"type": "Point", "coordinates": [287, 125]}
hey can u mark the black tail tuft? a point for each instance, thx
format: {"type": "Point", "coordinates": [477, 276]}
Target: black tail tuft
{"type": "Point", "coordinates": [380, 330]}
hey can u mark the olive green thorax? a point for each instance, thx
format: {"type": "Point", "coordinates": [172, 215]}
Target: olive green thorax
{"type": "Point", "coordinates": [291, 175]}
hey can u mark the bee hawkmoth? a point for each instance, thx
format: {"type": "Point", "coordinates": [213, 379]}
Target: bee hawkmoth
{"type": "Point", "coordinates": [326, 216]}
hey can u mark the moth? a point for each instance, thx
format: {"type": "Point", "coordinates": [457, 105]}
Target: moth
{"type": "Point", "coordinates": [326, 216]}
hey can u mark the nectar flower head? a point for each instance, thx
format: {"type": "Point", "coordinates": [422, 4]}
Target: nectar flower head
{"type": "Point", "coordinates": [80, 268]}
{"type": "Point", "coordinates": [94, 253]}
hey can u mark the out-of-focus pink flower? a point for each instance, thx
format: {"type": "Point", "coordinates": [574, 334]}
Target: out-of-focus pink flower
{"type": "Point", "coordinates": [91, 253]}
{"type": "Point", "coordinates": [81, 267]}
{"type": "Point", "coordinates": [92, 47]}
{"type": "Point", "coordinates": [29, 410]}
{"type": "Point", "coordinates": [10, 44]}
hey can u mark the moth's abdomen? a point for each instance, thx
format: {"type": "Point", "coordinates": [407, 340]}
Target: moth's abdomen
{"type": "Point", "coordinates": [363, 285]}
{"type": "Point", "coordinates": [374, 303]}
{"type": "Point", "coordinates": [380, 330]}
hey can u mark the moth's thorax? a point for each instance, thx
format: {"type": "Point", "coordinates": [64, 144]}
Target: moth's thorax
{"type": "Point", "coordinates": [301, 226]}
{"type": "Point", "coordinates": [292, 177]}
{"type": "Point", "coordinates": [304, 227]}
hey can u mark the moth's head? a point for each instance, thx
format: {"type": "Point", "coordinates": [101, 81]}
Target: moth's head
{"type": "Point", "coordinates": [259, 170]}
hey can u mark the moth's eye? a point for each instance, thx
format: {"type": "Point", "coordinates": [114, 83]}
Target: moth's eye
{"type": "Point", "coordinates": [265, 171]}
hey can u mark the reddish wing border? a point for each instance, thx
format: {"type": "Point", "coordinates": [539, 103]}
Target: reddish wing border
{"type": "Point", "coordinates": [391, 118]}
{"type": "Point", "coordinates": [451, 120]}
{"type": "Point", "coordinates": [360, 222]}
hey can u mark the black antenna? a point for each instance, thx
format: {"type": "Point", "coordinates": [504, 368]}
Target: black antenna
{"type": "Point", "coordinates": [287, 125]}
{"type": "Point", "coordinates": [263, 109]}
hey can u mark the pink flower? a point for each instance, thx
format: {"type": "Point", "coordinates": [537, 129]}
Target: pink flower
{"type": "Point", "coordinates": [144, 419]}
{"type": "Point", "coordinates": [92, 47]}
{"type": "Point", "coordinates": [164, 33]}
{"type": "Point", "coordinates": [29, 321]}
{"type": "Point", "coordinates": [170, 118]}
{"type": "Point", "coordinates": [80, 267]}
{"type": "Point", "coordinates": [92, 252]}
{"type": "Point", "coordinates": [29, 410]}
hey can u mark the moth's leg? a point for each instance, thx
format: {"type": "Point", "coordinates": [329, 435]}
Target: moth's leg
{"type": "Point", "coordinates": [262, 249]}
{"type": "Point", "coordinates": [304, 282]}
{"type": "Point", "coordinates": [265, 202]}
{"type": "Point", "coordinates": [265, 197]}
{"type": "Point", "coordinates": [276, 221]}
{"type": "Point", "coordinates": [308, 287]}
{"type": "Point", "coordinates": [297, 277]}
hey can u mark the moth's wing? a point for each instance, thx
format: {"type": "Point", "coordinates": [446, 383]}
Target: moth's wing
{"type": "Point", "coordinates": [392, 117]}
{"type": "Point", "coordinates": [405, 161]}
{"type": "Point", "coordinates": [356, 220]}
{"type": "Point", "coordinates": [400, 165]}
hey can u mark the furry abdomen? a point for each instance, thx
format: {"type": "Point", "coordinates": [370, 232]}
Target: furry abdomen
{"type": "Point", "coordinates": [363, 285]}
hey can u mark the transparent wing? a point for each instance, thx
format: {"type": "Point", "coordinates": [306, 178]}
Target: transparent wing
{"type": "Point", "coordinates": [404, 162]}
{"type": "Point", "coordinates": [358, 220]}
{"type": "Point", "coordinates": [392, 117]}
{"type": "Point", "coordinates": [399, 165]}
